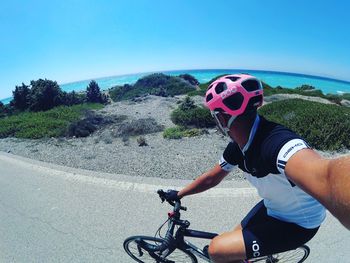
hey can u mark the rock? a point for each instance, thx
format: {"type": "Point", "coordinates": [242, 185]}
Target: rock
{"type": "Point", "coordinates": [345, 103]}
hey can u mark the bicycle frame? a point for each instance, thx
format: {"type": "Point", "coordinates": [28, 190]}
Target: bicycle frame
{"type": "Point", "coordinates": [160, 248]}
{"type": "Point", "coordinates": [186, 245]}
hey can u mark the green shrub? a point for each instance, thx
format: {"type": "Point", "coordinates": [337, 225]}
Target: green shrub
{"type": "Point", "coordinates": [155, 84]}
{"type": "Point", "coordinates": [2, 110]}
{"type": "Point", "coordinates": [21, 97]}
{"type": "Point", "coordinates": [190, 79]}
{"type": "Point", "coordinates": [44, 95]}
{"type": "Point", "coordinates": [179, 132]}
{"type": "Point", "coordinates": [73, 98]}
{"type": "Point", "coordinates": [325, 127]}
{"type": "Point", "coordinates": [173, 133]}
{"type": "Point", "coordinates": [35, 125]}
{"type": "Point", "coordinates": [187, 104]}
{"type": "Point", "coordinates": [198, 117]}
{"type": "Point", "coordinates": [94, 95]}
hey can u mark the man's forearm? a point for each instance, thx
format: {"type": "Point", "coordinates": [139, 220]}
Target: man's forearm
{"type": "Point", "coordinates": [339, 181]}
{"type": "Point", "coordinates": [203, 182]}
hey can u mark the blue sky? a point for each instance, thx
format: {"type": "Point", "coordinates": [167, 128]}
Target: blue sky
{"type": "Point", "coordinates": [82, 39]}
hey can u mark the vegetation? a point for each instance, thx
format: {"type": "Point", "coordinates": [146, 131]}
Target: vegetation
{"type": "Point", "coordinates": [94, 95]}
{"type": "Point", "coordinates": [202, 89]}
{"type": "Point", "coordinates": [155, 84]}
{"type": "Point", "coordinates": [21, 97]}
{"type": "Point", "coordinates": [305, 90]}
{"type": "Point", "coordinates": [325, 127]}
{"type": "Point", "coordinates": [43, 95]}
{"type": "Point", "coordinates": [90, 123]}
{"type": "Point", "coordinates": [189, 115]}
{"type": "Point", "coordinates": [179, 132]}
{"type": "Point", "coordinates": [52, 123]}
{"type": "Point", "coordinates": [190, 79]}
{"type": "Point", "coordinates": [189, 119]}
{"type": "Point", "coordinates": [2, 110]}
{"type": "Point", "coordinates": [73, 98]}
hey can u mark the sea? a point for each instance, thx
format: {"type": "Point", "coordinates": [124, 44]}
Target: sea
{"type": "Point", "coordinates": [273, 78]}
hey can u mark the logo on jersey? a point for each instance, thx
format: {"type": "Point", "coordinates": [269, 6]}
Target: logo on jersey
{"type": "Point", "coordinates": [291, 149]}
{"type": "Point", "coordinates": [256, 248]}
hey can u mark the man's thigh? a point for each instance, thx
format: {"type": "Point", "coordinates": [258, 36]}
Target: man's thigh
{"type": "Point", "coordinates": [264, 235]}
{"type": "Point", "coordinates": [228, 246]}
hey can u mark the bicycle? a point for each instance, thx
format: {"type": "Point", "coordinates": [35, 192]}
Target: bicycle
{"type": "Point", "coordinates": [174, 248]}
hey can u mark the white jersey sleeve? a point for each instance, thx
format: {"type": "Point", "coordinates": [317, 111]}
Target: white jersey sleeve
{"type": "Point", "coordinates": [225, 165]}
{"type": "Point", "coordinates": [287, 151]}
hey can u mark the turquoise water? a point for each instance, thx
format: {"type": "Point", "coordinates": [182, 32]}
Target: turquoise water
{"type": "Point", "coordinates": [288, 80]}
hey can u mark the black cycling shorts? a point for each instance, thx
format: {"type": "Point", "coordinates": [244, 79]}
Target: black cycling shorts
{"type": "Point", "coordinates": [264, 235]}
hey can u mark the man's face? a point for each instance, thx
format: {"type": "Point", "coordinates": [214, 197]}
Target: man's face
{"type": "Point", "coordinates": [221, 120]}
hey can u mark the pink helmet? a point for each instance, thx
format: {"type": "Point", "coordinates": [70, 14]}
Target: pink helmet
{"type": "Point", "coordinates": [234, 94]}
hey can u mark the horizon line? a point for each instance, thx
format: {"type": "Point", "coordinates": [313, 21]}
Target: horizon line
{"type": "Point", "coordinates": [207, 69]}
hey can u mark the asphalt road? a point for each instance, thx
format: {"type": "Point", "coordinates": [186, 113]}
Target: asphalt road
{"type": "Point", "coordinates": [57, 214]}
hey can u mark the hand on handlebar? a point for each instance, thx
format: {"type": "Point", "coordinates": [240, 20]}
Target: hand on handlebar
{"type": "Point", "coordinates": [171, 195]}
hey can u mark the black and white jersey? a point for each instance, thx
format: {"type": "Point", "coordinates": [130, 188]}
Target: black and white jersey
{"type": "Point", "coordinates": [263, 160]}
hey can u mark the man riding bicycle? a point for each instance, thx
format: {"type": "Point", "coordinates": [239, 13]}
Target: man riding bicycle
{"type": "Point", "coordinates": [292, 179]}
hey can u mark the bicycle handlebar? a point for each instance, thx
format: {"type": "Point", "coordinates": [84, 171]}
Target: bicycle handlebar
{"type": "Point", "coordinates": [176, 204]}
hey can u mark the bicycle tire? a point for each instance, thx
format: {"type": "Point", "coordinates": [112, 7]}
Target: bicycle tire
{"type": "Point", "coordinates": [297, 255]}
{"type": "Point", "coordinates": [133, 250]}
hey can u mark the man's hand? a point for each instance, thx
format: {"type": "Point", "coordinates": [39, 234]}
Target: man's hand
{"type": "Point", "coordinates": [171, 195]}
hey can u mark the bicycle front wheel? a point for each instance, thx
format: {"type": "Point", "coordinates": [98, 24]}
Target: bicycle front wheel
{"type": "Point", "coordinates": [291, 256]}
{"type": "Point", "coordinates": [141, 254]}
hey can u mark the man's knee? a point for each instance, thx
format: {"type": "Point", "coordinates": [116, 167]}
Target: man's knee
{"type": "Point", "coordinates": [227, 247]}
{"type": "Point", "coordinates": [214, 249]}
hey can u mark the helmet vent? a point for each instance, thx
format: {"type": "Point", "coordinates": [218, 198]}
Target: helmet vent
{"type": "Point", "coordinates": [209, 97]}
{"type": "Point", "coordinates": [251, 85]}
{"type": "Point", "coordinates": [255, 101]}
{"type": "Point", "coordinates": [234, 102]}
{"type": "Point", "coordinates": [233, 78]}
{"type": "Point", "coordinates": [220, 87]}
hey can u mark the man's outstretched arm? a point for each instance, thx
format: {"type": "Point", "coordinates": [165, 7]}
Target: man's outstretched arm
{"type": "Point", "coordinates": [327, 180]}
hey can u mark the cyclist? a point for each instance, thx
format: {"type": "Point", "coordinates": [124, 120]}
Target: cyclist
{"type": "Point", "coordinates": [292, 179]}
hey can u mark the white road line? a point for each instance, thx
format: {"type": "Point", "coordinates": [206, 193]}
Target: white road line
{"type": "Point", "coordinates": [122, 185]}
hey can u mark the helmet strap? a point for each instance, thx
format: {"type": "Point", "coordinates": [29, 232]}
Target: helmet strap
{"type": "Point", "coordinates": [230, 121]}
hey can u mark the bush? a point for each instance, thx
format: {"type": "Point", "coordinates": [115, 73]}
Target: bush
{"type": "Point", "coordinates": [187, 104]}
{"type": "Point", "coordinates": [305, 87]}
{"type": "Point", "coordinates": [325, 127]}
{"type": "Point", "coordinates": [179, 132]}
{"type": "Point", "coordinates": [94, 95]}
{"type": "Point", "coordinates": [90, 123]}
{"type": "Point", "coordinates": [138, 127]}
{"type": "Point", "coordinates": [73, 98]}
{"type": "Point", "coordinates": [21, 97]}
{"type": "Point", "coordinates": [2, 110]}
{"type": "Point", "coordinates": [44, 95]}
{"type": "Point", "coordinates": [35, 125]}
{"type": "Point", "coordinates": [156, 84]}
{"type": "Point", "coordinates": [190, 79]}
{"type": "Point", "coordinates": [198, 117]}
